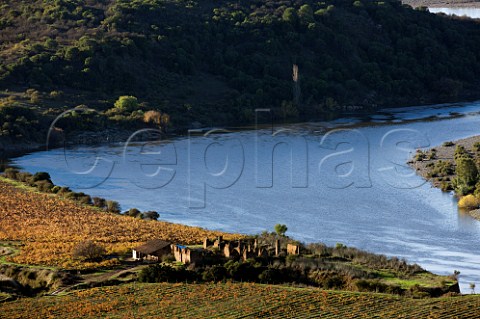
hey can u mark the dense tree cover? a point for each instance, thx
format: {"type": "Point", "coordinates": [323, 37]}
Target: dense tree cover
{"type": "Point", "coordinates": [466, 172]}
{"type": "Point", "coordinates": [212, 61]}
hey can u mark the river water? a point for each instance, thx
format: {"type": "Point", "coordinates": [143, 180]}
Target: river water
{"type": "Point", "coordinates": [336, 182]}
{"type": "Point", "coordinates": [473, 13]}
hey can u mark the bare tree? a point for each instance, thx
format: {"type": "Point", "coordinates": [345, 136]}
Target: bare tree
{"type": "Point", "coordinates": [88, 250]}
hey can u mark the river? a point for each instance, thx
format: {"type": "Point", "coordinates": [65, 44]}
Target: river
{"type": "Point", "coordinates": [473, 13]}
{"type": "Point", "coordinates": [335, 182]}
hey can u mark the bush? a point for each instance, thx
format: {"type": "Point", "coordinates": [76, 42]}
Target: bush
{"type": "Point", "coordinates": [56, 189]}
{"type": "Point", "coordinates": [24, 177]}
{"type": "Point", "coordinates": [113, 206]}
{"type": "Point", "coordinates": [461, 152]}
{"type": "Point", "coordinates": [11, 173]}
{"type": "Point", "coordinates": [126, 103]}
{"type": "Point", "coordinates": [476, 146]}
{"type": "Point", "coordinates": [271, 276]}
{"type": "Point", "coordinates": [64, 191]}
{"type": "Point", "coordinates": [377, 286]}
{"type": "Point", "coordinates": [446, 186]}
{"type": "Point", "coordinates": [467, 175]}
{"type": "Point", "coordinates": [420, 155]}
{"type": "Point", "coordinates": [81, 198]}
{"type": "Point", "coordinates": [165, 273]}
{"type": "Point", "coordinates": [448, 144]}
{"type": "Point", "coordinates": [151, 215]}
{"type": "Point", "coordinates": [215, 273]}
{"type": "Point", "coordinates": [41, 176]}
{"type": "Point", "coordinates": [133, 212]}
{"type": "Point", "coordinates": [44, 186]}
{"type": "Point", "coordinates": [89, 251]}
{"type": "Point", "coordinates": [168, 258]}
{"type": "Point", "coordinates": [440, 169]}
{"type": "Point", "coordinates": [56, 95]}
{"type": "Point", "coordinates": [99, 202]}
{"type": "Point", "coordinates": [469, 202]}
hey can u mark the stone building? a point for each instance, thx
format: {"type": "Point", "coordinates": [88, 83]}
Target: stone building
{"type": "Point", "coordinates": [151, 250]}
{"type": "Point", "coordinates": [293, 249]}
{"type": "Point", "coordinates": [186, 255]}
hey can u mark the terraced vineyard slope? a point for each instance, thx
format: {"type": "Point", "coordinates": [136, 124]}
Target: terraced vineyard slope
{"type": "Point", "coordinates": [49, 227]}
{"type": "Point", "coordinates": [234, 301]}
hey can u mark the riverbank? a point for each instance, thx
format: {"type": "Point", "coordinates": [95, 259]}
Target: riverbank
{"type": "Point", "coordinates": [442, 3]}
{"type": "Point", "coordinates": [49, 242]}
{"type": "Point", "coordinates": [437, 165]}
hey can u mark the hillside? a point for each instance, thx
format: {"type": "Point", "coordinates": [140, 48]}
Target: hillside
{"type": "Point", "coordinates": [42, 231]}
{"type": "Point", "coordinates": [234, 301]}
{"type": "Point", "coordinates": [215, 62]}
{"type": "Point", "coordinates": [48, 228]}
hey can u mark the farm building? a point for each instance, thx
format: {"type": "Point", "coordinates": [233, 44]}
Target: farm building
{"type": "Point", "coordinates": [186, 255]}
{"type": "Point", "coordinates": [152, 250]}
{"type": "Point", "coordinates": [293, 249]}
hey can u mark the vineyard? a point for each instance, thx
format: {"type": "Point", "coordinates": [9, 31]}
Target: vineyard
{"type": "Point", "coordinates": [234, 301]}
{"type": "Point", "coordinates": [49, 228]}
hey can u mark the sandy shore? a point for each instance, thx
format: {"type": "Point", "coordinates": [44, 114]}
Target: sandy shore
{"type": "Point", "coordinates": [443, 3]}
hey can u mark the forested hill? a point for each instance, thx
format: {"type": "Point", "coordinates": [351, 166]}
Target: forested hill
{"type": "Point", "coordinates": [215, 61]}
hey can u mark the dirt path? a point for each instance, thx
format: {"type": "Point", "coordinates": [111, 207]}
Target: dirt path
{"type": "Point", "coordinates": [100, 278]}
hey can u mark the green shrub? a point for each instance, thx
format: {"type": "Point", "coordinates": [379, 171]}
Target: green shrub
{"type": "Point", "coordinates": [133, 212]}
{"type": "Point", "coordinates": [126, 103]}
{"type": "Point", "coordinates": [44, 186]}
{"type": "Point", "coordinates": [370, 286]}
{"type": "Point", "coordinates": [467, 175]}
{"type": "Point", "coordinates": [56, 189]}
{"type": "Point", "coordinates": [446, 186]}
{"type": "Point", "coordinates": [420, 155]}
{"type": "Point", "coordinates": [113, 206]}
{"type": "Point", "coordinates": [64, 191]}
{"type": "Point", "coordinates": [41, 176]}
{"type": "Point", "coordinates": [165, 273]}
{"type": "Point", "coordinates": [441, 169]}
{"type": "Point", "coordinates": [460, 151]}
{"type": "Point", "coordinates": [476, 146]}
{"type": "Point", "coordinates": [99, 202]}
{"type": "Point", "coordinates": [215, 273]}
{"type": "Point", "coordinates": [150, 215]}
{"type": "Point", "coordinates": [25, 177]}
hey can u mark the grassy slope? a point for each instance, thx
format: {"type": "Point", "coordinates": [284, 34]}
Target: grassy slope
{"type": "Point", "coordinates": [234, 301]}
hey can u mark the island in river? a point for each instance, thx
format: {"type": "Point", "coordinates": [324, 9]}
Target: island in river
{"type": "Point", "coordinates": [439, 166]}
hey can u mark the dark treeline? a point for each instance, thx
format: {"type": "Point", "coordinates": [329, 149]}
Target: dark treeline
{"type": "Point", "coordinates": [215, 62]}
